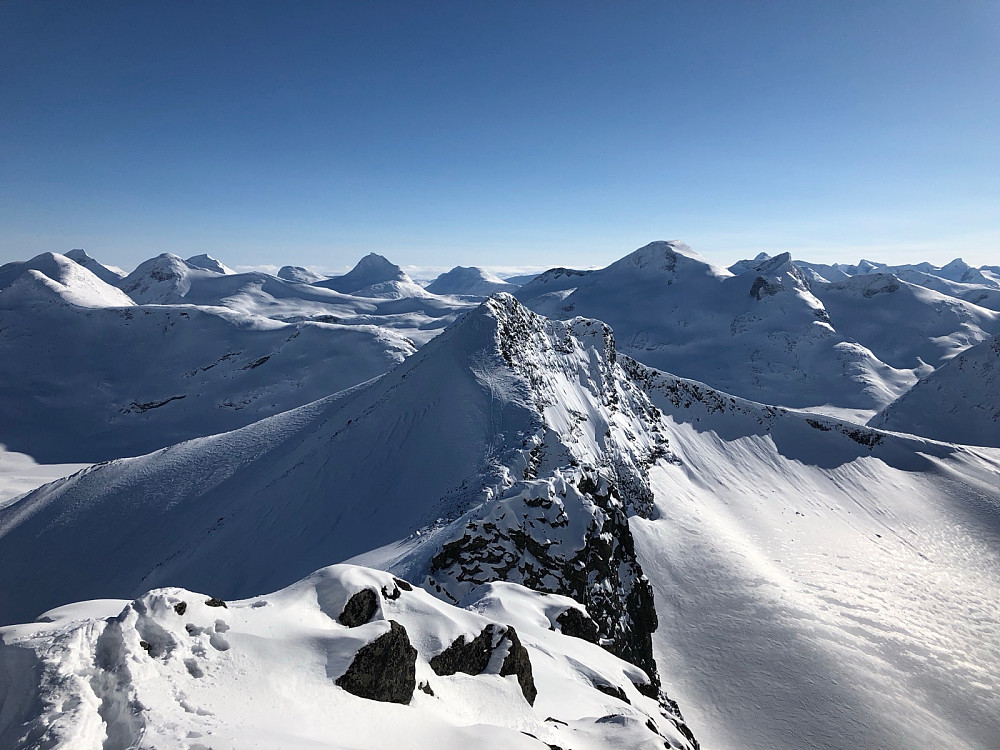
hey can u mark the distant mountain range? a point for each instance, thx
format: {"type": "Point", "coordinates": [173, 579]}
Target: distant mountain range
{"type": "Point", "coordinates": [654, 504]}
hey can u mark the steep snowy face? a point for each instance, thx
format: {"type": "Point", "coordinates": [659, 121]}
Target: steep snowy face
{"type": "Point", "coordinates": [348, 653]}
{"type": "Point", "coordinates": [814, 578]}
{"type": "Point", "coordinates": [164, 279]}
{"type": "Point", "coordinates": [959, 402]}
{"type": "Point", "coordinates": [52, 278]}
{"type": "Point", "coordinates": [474, 282]}
{"type": "Point", "coordinates": [107, 274]}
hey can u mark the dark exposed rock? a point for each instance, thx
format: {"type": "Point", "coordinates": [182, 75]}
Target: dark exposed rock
{"type": "Point", "coordinates": [402, 584]}
{"type": "Point", "coordinates": [180, 608]}
{"type": "Point", "coordinates": [469, 657]}
{"type": "Point", "coordinates": [213, 602]}
{"type": "Point", "coordinates": [517, 663]}
{"type": "Point", "coordinates": [578, 624]}
{"type": "Point", "coordinates": [764, 288]}
{"type": "Point", "coordinates": [473, 657]}
{"type": "Point", "coordinates": [359, 609]}
{"type": "Point", "coordinates": [383, 670]}
{"type": "Point", "coordinates": [425, 687]}
{"type": "Point", "coordinates": [613, 690]}
{"type": "Point", "coordinates": [604, 574]}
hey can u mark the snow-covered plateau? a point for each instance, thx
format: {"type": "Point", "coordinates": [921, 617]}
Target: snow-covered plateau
{"type": "Point", "coordinates": [755, 507]}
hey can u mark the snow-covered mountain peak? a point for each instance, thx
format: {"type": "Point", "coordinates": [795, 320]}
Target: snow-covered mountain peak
{"type": "Point", "coordinates": [160, 280]}
{"type": "Point", "coordinates": [79, 255]}
{"type": "Point", "coordinates": [371, 269]}
{"type": "Point", "coordinates": [468, 280]}
{"type": "Point", "coordinates": [671, 257]}
{"type": "Point", "coordinates": [52, 277]}
{"type": "Point", "coordinates": [207, 263]}
{"type": "Point", "coordinates": [375, 276]}
{"type": "Point", "coordinates": [299, 275]}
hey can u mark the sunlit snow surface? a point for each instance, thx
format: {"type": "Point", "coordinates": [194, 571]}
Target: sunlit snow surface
{"type": "Point", "coordinates": [826, 600]}
{"type": "Point", "coordinates": [170, 671]}
{"type": "Point", "coordinates": [19, 473]}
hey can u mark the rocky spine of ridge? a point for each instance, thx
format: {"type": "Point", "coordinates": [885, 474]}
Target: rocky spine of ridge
{"type": "Point", "coordinates": [562, 526]}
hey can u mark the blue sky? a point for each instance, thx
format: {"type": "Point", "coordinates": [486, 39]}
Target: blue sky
{"type": "Point", "coordinates": [500, 133]}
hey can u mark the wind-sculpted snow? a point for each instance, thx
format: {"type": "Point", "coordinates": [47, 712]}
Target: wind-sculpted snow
{"type": "Point", "coordinates": [959, 402]}
{"type": "Point", "coordinates": [818, 582]}
{"type": "Point", "coordinates": [178, 669]}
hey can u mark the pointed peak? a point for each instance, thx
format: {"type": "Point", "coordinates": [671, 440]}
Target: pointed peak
{"type": "Point", "coordinates": [371, 270]}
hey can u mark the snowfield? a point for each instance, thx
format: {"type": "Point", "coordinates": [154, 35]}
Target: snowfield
{"type": "Point", "coordinates": [663, 524]}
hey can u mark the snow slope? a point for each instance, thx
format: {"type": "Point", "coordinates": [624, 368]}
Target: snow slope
{"type": "Point", "coordinates": [959, 402]}
{"type": "Point", "coordinates": [19, 474]}
{"type": "Point", "coordinates": [108, 274]}
{"type": "Point", "coordinates": [299, 274]}
{"type": "Point", "coordinates": [903, 324]}
{"type": "Point", "coordinates": [450, 428]}
{"type": "Point", "coordinates": [89, 376]}
{"type": "Point", "coordinates": [820, 584]}
{"type": "Point", "coordinates": [53, 279]}
{"type": "Point", "coordinates": [176, 669]}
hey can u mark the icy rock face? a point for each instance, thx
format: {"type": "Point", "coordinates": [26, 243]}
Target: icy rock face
{"type": "Point", "coordinates": [569, 535]}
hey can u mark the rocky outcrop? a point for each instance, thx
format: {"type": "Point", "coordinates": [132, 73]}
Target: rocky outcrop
{"type": "Point", "coordinates": [563, 537]}
{"type": "Point", "coordinates": [383, 670]}
{"type": "Point", "coordinates": [359, 609]}
{"type": "Point", "coordinates": [476, 656]}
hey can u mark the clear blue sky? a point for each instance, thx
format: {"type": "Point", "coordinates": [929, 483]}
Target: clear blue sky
{"type": "Point", "coordinates": [500, 133]}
